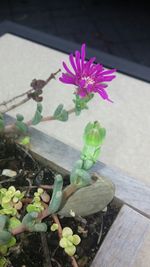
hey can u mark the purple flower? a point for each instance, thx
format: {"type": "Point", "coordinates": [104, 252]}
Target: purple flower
{"type": "Point", "coordinates": [87, 76]}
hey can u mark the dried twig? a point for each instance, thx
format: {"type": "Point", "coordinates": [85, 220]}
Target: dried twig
{"type": "Point", "coordinates": [100, 232]}
{"type": "Point", "coordinates": [27, 94]}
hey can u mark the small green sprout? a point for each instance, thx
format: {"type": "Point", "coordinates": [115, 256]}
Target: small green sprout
{"type": "Point", "coordinates": [25, 141]}
{"type": "Point", "coordinates": [10, 201]}
{"type": "Point", "coordinates": [37, 205]}
{"type": "Point", "coordinates": [54, 227]}
{"type": "Point", "coordinates": [69, 241]}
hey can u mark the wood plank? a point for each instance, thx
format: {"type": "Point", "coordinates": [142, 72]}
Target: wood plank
{"type": "Point", "coordinates": [62, 157]}
{"type": "Point", "coordinates": [127, 242]}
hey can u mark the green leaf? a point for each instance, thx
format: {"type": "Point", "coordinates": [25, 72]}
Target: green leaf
{"type": "Point", "coordinates": [64, 116]}
{"type": "Point", "coordinates": [57, 195]}
{"type": "Point", "coordinates": [32, 208]}
{"type": "Point", "coordinates": [19, 117]}
{"type": "Point", "coordinates": [2, 123]}
{"type": "Point", "coordinates": [21, 126]}
{"type": "Point", "coordinates": [3, 251]}
{"type": "Point", "coordinates": [40, 227]}
{"type": "Point", "coordinates": [5, 237]}
{"type": "Point", "coordinates": [14, 223]}
{"type": "Point", "coordinates": [60, 113]}
{"type": "Point", "coordinates": [4, 262]}
{"type": "Point", "coordinates": [3, 221]}
{"type": "Point", "coordinates": [37, 117]}
{"type": "Point", "coordinates": [54, 227]}
{"type": "Point", "coordinates": [80, 177]}
{"type": "Point", "coordinates": [58, 110]}
{"type": "Point", "coordinates": [25, 141]}
{"type": "Point", "coordinates": [70, 250]}
{"type": "Point", "coordinates": [81, 103]}
{"type": "Point", "coordinates": [11, 242]}
{"type": "Point", "coordinates": [76, 240]}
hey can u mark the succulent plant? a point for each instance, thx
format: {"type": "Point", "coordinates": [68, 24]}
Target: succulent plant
{"type": "Point", "coordinates": [69, 241]}
{"type": "Point", "coordinates": [10, 201]}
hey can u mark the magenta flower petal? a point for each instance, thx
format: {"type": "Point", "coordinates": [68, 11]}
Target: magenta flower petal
{"type": "Point", "coordinates": [67, 69]}
{"type": "Point", "coordinates": [72, 62]}
{"type": "Point", "coordinates": [77, 54]}
{"type": "Point", "coordinates": [87, 76]}
{"type": "Point", "coordinates": [82, 55]}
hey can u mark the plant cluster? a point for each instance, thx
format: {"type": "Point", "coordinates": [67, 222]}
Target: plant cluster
{"type": "Point", "coordinates": [88, 78]}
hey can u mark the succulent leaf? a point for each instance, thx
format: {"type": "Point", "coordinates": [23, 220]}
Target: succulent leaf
{"type": "Point", "coordinates": [57, 195]}
{"type": "Point", "coordinates": [37, 116]}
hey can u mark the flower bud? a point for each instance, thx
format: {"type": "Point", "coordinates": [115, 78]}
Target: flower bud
{"type": "Point", "coordinates": [94, 134]}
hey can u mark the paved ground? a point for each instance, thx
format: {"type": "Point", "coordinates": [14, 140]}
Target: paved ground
{"type": "Point", "coordinates": [120, 29]}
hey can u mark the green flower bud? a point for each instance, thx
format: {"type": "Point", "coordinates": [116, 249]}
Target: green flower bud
{"type": "Point", "coordinates": [94, 134]}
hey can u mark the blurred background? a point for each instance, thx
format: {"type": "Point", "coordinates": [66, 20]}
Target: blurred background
{"type": "Point", "coordinates": [118, 28]}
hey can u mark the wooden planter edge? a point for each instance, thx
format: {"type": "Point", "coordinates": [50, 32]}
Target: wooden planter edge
{"type": "Point", "coordinates": [62, 157]}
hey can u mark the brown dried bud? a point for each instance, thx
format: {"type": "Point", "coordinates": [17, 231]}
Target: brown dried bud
{"type": "Point", "coordinates": [37, 84]}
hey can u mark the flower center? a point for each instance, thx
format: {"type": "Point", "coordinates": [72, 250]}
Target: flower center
{"type": "Point", "coordinates": [88, 80]}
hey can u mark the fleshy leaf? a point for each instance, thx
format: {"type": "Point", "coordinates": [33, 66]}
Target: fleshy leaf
{"type": "Point", "coordinates": [3, 221]}
{"type": "Point", "coordinates": [76, 240]}
{"type": "Point", "coordinates": [37, 117]}
{"type": "Point", "coordinates": [11, 242]}
{"type": "Point", "coordinates": [70, 250]}
{"type": "Point", "coordinates": [54, 227]}
{"type": "Point", "coordinates": [2, 123]}
{"type": "Point", "coordinates": [21, 126]}
{"type": "Point", "coordinates": [58, 110]}
{"type": "Point", "coordinates": [40, 227]}
{"type": "Point", "coordinates": [81, 103]}
{"type": "Point", "coordinates": [19, 117]}
{"type": "Point", "coordinates": [67, 231]}
{"type": "Point", "coordinates": [25, 141]}
{"type": "Point", "coordinates": [5, 237]}
{"type": "Point", "coordinates": [60, 113]}
{"type": "Point", "coordinates": [14, 223]}
{"type": "Point", "coordinates": [57, 195]}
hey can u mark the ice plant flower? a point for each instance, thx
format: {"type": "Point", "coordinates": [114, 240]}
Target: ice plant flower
{"type": "Point", "coordinates": [87, 76]}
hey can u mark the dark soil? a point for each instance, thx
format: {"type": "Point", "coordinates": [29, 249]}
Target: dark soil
{"type": "Point", "coordinates": [40, 249]}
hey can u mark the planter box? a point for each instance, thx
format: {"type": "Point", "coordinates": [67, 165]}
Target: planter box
{"type": "Point", "coordinates": [127, 242]}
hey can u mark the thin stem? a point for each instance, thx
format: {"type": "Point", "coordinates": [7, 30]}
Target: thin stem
{"type": "Point", "coordinates": [27, 98]}
{"type": "Point", "coordinates": [12, 128]}
{"type": "Point", "coordinates": [4, 103]}
{"type": "Point", "coordinates": [16, 105]}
